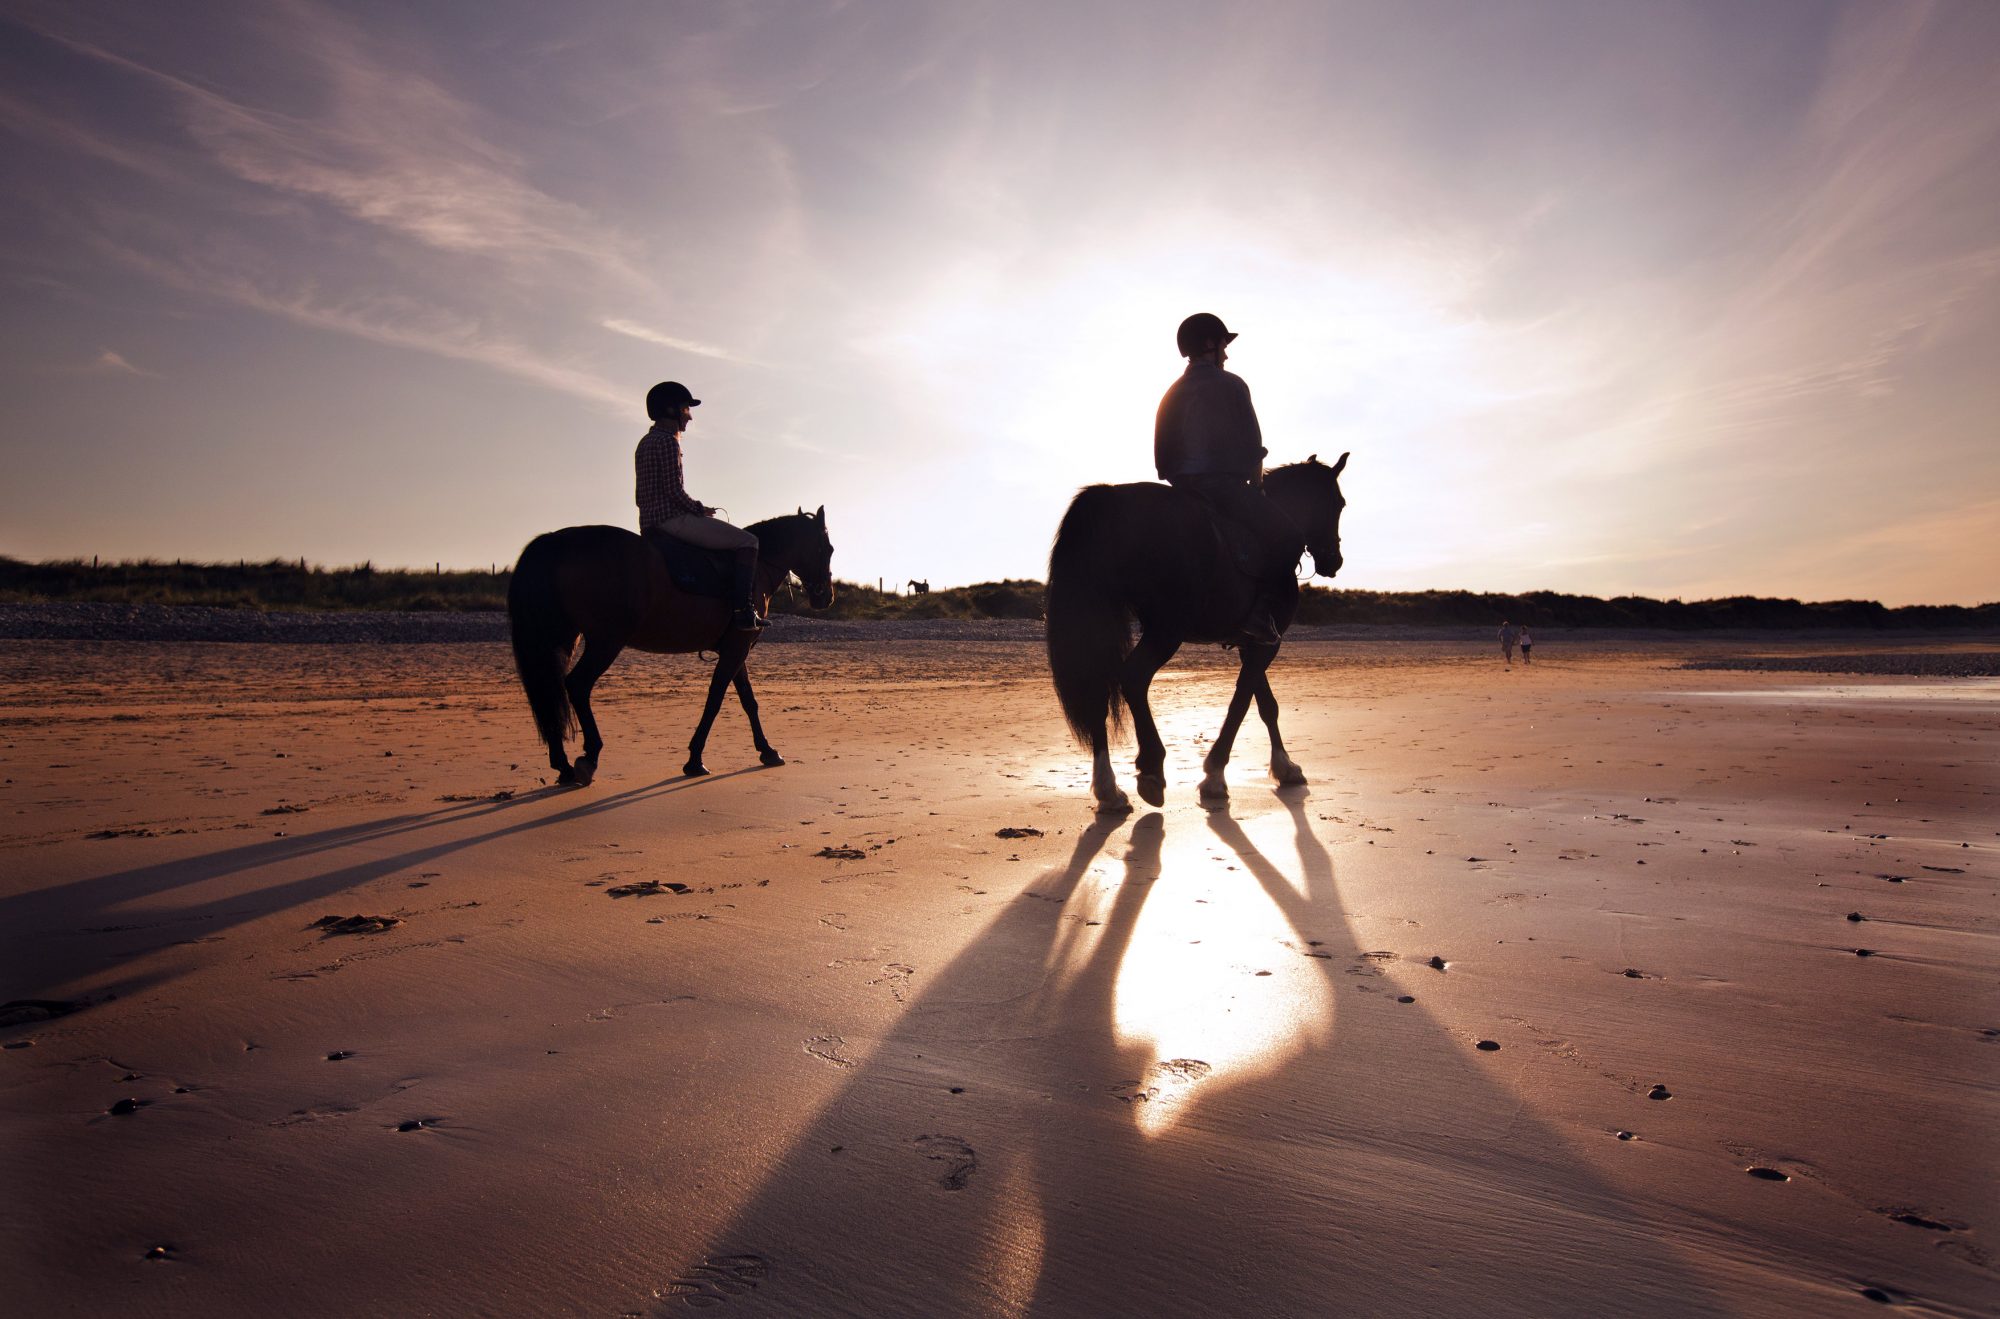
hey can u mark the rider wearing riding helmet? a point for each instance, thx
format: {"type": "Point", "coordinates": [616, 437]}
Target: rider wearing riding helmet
{"type": "Point", "coordinates": [666, 508]}
{"type": "Point", "coordinates": [1206, 440]}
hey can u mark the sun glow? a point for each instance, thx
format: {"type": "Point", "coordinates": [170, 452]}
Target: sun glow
{"type": "Point", "coordinates": [1057, 368]}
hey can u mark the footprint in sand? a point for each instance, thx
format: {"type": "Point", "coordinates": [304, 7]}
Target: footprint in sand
{"type": "Point", "coordinates": [828, 1048]}
{"type": "Point", "coordinates": [716, 1279]}
{"type": "Point", "coordinates": [897, 977]}
{"type": "Point", "coordinates": [1910, 1218]}
{"type": "Point", "coordinates": [955, 1154]}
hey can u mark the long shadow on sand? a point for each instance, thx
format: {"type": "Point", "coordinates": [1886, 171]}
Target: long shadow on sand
{"type": "Point", "coordinates": [41, 953]}
{"type": "Point", "coordinates": [1371, 1165]}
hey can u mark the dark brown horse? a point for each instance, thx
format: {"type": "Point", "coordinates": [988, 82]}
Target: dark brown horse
{"type": "Point", "coordinates": [1150, 552]}
{"type": "Point", "coordinates": [612, 588]}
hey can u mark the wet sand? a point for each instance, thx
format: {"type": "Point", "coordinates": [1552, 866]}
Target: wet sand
{"type": "Point", "coordinates": [815, 1040]}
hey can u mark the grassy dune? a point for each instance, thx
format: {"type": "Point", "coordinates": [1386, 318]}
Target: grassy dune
{"type": "Point", "coordinates": [280, 584]}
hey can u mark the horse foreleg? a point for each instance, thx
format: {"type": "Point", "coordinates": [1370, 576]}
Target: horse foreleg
{"type": "Point", "coordinates": [1136, 683]}
{"type": "Point", "coordinates": [1248, 675]}
{"type": "Point", "coordinates": [765, 751]}
{"type": "Point", "coordinates": [1283, 768]}
{"type": "Point", "coordinates": [597, 656]}
{"type": "Point", "coordinates": [726, 666]}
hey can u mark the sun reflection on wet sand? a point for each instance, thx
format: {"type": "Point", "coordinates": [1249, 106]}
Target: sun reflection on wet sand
{"type": "Point", "coordinates": [1214, 982]}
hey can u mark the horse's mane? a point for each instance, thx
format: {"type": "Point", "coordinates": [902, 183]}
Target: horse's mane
{"type": "Point", "coordinates": [758, 528]}
{"type": "Point", "coordinates": [1302, 468]}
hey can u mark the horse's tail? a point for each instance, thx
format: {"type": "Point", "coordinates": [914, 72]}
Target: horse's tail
{"type": "Point", "coordinates": [543, 636]}
{"type": "Point", "coordinates": [1088, 630]}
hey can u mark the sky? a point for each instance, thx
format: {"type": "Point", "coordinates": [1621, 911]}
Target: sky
{"type": "Point", "coordinates": [1667, 298]}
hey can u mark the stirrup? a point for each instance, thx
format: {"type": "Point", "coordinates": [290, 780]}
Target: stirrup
{"type": "Point", "coordinates": [747, 619]}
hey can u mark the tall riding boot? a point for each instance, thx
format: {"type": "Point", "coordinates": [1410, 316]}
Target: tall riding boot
{"type": "Point", "coordinates": [1260, 626]}
{"type": "Point", "coordinates": [742, 582]}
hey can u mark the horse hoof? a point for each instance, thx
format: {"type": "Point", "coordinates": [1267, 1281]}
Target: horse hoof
{"type": "Point", "coordinates": [1214, 789]}
{"type": "Point", "coordinates": [771, 758]}
{"type": "Point", "coordinates": [1153, 789]}
{"type": "Point", "coordinates": [694, 769]}
{"type": "Point", "coordinates": [566, 777]}
{"type": "Point", "coordinates": [1291, 776]}
{"type": "Point", "coordinates": [1114, 802]}
{"type": "Point", "coordinates": [585, 771]}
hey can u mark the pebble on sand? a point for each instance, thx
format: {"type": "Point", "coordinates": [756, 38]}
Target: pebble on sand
{"type": "Point", "coordinates": [1487, 1046]}
{"type": "Point", "coordinates": [1659, 1092]}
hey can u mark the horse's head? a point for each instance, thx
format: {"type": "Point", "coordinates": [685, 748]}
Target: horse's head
{"type": "Point", "coordinates": [1309, 492]}
{"type": "Point", "coordinates": [813, 563]}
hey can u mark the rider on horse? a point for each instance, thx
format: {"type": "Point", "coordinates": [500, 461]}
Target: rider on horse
{"type": "Point", "coordinates": [667, 510]}
{"type": "Point", "coordinates": [1206, 441]}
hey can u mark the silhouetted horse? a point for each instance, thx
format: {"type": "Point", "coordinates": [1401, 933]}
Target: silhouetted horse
{"type": "Point", "coordinates": [1152, 552]}
{"type": "Point", "coordinates": [611, 587]}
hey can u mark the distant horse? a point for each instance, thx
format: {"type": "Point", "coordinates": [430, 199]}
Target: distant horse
{"type": "Point", "coordinates": [922, 587]}
{"type": "Point", "coordinates": [1153, 553]}
{"type": "Point", "coordinates": [610, 586]}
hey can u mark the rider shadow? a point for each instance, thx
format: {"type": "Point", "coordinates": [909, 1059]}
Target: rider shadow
{"type": "Point", "coordinates": [1306, 1180]}
{"type": "Point", "coordinates": [39, 922]}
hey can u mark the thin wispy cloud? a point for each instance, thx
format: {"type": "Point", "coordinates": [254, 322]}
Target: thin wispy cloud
{"type": "Point", "coordinates": [110, 362]}
{"type": "Point", "coordinates": [646, 334]}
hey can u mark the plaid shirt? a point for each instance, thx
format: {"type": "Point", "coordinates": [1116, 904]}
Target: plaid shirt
{"type": "Point", "coordinates": [662, 493]}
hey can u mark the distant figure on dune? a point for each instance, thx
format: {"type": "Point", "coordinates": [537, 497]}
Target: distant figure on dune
{"type": "Point", "coordinates": [1527, 646]}
{"type": "Point", "coordinates": [666, 509]}
{"type": "Point", "coordinates": [1509, 635]}
{"type": "Point", "coordinates": [1206, 441]}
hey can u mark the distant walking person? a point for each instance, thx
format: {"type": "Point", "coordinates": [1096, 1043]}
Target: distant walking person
{"type": "Point", "coordinates": [1527, 646]}
{"type": "Point", "coordinates": [666, 509]}
{"type": "Point", "coordinates": [1509, 635]}
{"type": "Point", "coordinates": [1206, 440]}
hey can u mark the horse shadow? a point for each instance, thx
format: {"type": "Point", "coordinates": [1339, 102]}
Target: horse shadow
{"type": "Point", "coordinates": [43, 958]}
{"type": "Point", "coordinates": [1000, 1140]}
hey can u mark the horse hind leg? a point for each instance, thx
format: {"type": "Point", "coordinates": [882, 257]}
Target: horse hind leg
{"type": "Point", "coordinates": [597, 656]}
{"type": "Point", "coordinates": [1136, 682]}
{"type": "Point", "coordinates": [1111, 799]}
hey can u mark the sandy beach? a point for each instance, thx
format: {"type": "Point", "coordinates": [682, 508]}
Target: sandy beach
{"type": "Point", "coordinates": [1601, 986]}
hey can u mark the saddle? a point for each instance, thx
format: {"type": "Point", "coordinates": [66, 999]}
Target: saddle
{"type": "Point", "coordinates": [1235, 543]}
{"type": "Point", "coordinates": [693, 569]}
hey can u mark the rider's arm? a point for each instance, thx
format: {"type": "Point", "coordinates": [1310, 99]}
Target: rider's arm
{"type": "Point", "coordinates": [1245, 435]}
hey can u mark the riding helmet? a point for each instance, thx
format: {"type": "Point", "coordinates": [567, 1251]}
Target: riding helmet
{"type": "Point", "coordinates": [666, 396]}
{"type": "Point", "coordinates": [1200, 330]}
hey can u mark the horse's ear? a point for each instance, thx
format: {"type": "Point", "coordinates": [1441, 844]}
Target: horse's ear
{"type": "Point", "coordinates": [1311, 458]}
{"type": "Point", "coordinates": [1342, 463]}
{"type": "Point", "coordinates": [802, 510]}
{"type": "Point", "coordinates": [821, 515]}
